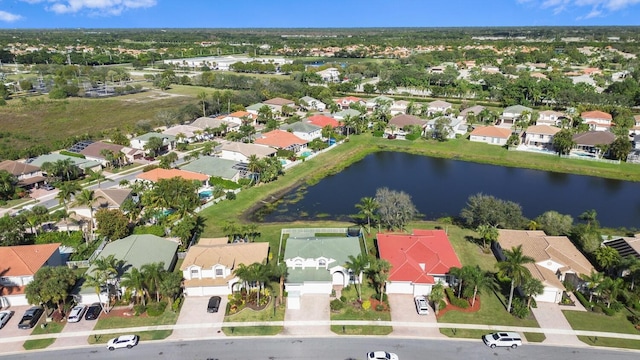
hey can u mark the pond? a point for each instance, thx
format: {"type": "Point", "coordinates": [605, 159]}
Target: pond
{"type": "Point", "coordinates": [441, 187]}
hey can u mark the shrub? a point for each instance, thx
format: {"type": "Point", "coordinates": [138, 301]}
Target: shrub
{"type": "Point", "coordinates": [139, 309]}
{"type": "Point", "coordinates": [336, 305]}
{"type": "Point", "coordinates": [378, 133]}
{"type": "Point", "coordinates": [379, 307]}
{"type": "Point", "coordinates": [156, 308]}
{"type": "Point", "coordinates": [156, 230]}
{"type": "Point", "coordinates": [587, 305]}
{"type": "Point", "coordinates": [442, 304]}
{"type": "Point", "coordinates": [72, 239]}
{"type": "Point", "coordinates": [461, 303]}
{"type": "Point", "coordinates": [366, 305]}
{"type": "Point", "coordinates": [343, 298]}
{"type": "Point", "coordinates": [608, 311]}
{"type": "Point", "coordinates": [412, 136]}
{"type": "Point", "coordinates": [597, 309]}
{"type": "Point", "coordinates": [520, 308]}
{"type": "Point", "coordinates": [231, 195]}
{"type": "Point", "coordinates": [72, 154]}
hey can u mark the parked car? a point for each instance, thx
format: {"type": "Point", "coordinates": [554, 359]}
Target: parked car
{"type": "Point", "coordinates": [503, 339]}
{"type": "Point", "coordinates": [31, 317]}
{"type": "Point", "coordinates": [76, 313]}
{"type": "Point", "coordinates": [5, 316]}
{"type": "Point", "coordinates": [422, 306]}
{"type": "Point", "coordinates": [214, 304]}
{"type": "Point", "coordinates": [93, 311]}
{"type": "Point", "coordinates": [48, 187]}
{"type": "Point", "coordinates": [381, 355]}
{"type": "Point", "coordinates": [123, 341]}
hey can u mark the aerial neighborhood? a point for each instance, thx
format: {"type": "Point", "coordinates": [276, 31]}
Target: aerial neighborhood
{"type": "Point", "coordinates": [132, 222]}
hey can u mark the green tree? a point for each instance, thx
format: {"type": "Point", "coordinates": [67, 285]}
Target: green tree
{"type": "Point", "coordinates": [593, 281]}
{"type": "Point", "coordinates": [488, 210]}
{"type": "Point", "coordinates": [65, 191]}
{"type": "Point", "coordinates": [11, 231]}
{"type": "Point", "coordinates": [620, 148]}
{"type": "Point", "coordinates": [171, 286]}
{"type": "Point", "coordinates": [555, 224]}
{"type": "Point", "coordinates": [51, 285]}
{"type": "Point", "coordinates": [368, 207]}
{"type": "Point", "coordinates": [607, 257]}
{"type": "Point", "coordinates": [395, 209]}
{"type": "Point", "coordinates": [611, 289]}
{"type": "Point", "coordinates": [153, 273]}
{"type": "Point", "coordinates": [103, 274]}
{"type": "Point", "coordinates": [356, 265]}
{"type": "Point", "coordinates": [378, 273]}
{"type": "Point", "coordinates": [436, 296]}
{"type": "Point", "coordinates": [153, 146]}
{"type": "Point", "coordinates": [88, 198]}
{"type": "Point", "coordinates": [480, 280]}
{"type": "Point", "coordinates": [8, 184]}
{"type": "Point", "coordinates": [135, 281]}
{"type": "Point", "coordinates": [532, 287]}
{"type": "Point", "coordinates": [513, 267]}
{"type": "Point", "coordinates": [112, 224]}
{"type": "Point", "coordinates": [563, 141]}
{"type": "Point", "coordinates": [487, 233]}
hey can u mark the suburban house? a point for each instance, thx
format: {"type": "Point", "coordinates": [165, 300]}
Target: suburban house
{"type": "Point", "coordinates": [303, 130]}
{"type": "Point", "coordinates": [209, 124]}
{"type": "Point", "coordinates": [208, 269]}
{"type": "Point", "coordinates": [597, 120]}
{"type": "Point", "coordinates": [316, 264]}
{"type": "Point", "coordinates": [377, 101]}
{"type": "Point", "coordinates": [216, 167]}
{"type": "Point", "coordinates": [438, 106]}
{"type": "Point", "coordinates": [329, 75]}
{"type": "Point", "coordinates": [398, 123]}
{"type": "Point", "coordinates": [418, 261]}
{"type": "Point", "coordinates": [159, 173]}
{"type": "Point", "coordinates": [625, 245]}
{"type": "Point", "coordinates": [556, 259]}
{"type": "Point", "coordinates": [346, 102]}
{"type": "Point", "coordinates": [284, 140]}
{"type": "Point", "coordinates": [323, 120]}
{"type": "Point", "coordinates": [475, 110]}
{"type": "Point", "coordinates": [550, 118]}
{"type": "Point", "coordinates": [185, 133]}
{"type": "Point", "coordinates": [83, 164]}
{"type": "Point", "coordinates": [134, 251]}
{"type": "Point", "coordinates": [276, 104]}
{"type": "Point", "coordinates": [308, 103]}
{"type": "Point", "coordinates": [168, 141]}
{"type": "Point", "coordinates": [28, 175]}
{"type": "Point", "coordinates": [343, 114]}
{"type": "Point", "coordinates": [254, 108]}
{"type": "Point", "coordinates": [452, 124]}
{"type": "Point", "coordinates": [105, 199]}
{"type": "Point", "coordinates": [540, 136]}
{"type": "Point", "coordinates": [105, 153]}
{"type": "Point", "coordinates": [400, 107]}
{"type": "Point", "coordinates": [241, 152]}
{"type": "Point", "coordinates": [635, 130]}
{"type": "Point", "coordinates": [592, 141]}
{"type": "Point", "coordinates": [513, 113]}
{"type": "Point", "coordinates": [492, 135]}
{"type": "Point", "coordinates": [18, 266]}
{"type": "Point", "coordinates": [238, 117]}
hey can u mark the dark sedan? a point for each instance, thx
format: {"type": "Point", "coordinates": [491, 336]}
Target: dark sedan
{"type": "Point", "coordinates": [93, 312]}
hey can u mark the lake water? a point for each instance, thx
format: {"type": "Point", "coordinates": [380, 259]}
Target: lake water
{"type": "Point", "coordinates": [441, 187]}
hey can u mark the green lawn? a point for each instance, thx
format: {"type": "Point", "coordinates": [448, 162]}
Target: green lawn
{"type": "Point", "coordinates": [38, 344]}
{"type": "Point", "coordinates": [248, 315]}
{"type": "Point", "coordinates": [361, 330]}
{"type": "Point", "coordinates": [610, 342]}
{"type": "Point", "coordinates": [591, 321]}
{"type": "Point", "coordinates": [50, 328]}
{"type": "Point", "coordinates": [464, 333]}
{"type": "Point", "coordinates": [252, 330]}
{"type": "Point", "coordinates": [535, 337]}
{"type": "Point", "coordinates": [144, 336]}
{"type": "Point", "coordinates": [492, 312]}
{"type": "Point", "coordinates": [351, 312]}
{"type": "Point", "coordinates": [167, 318]}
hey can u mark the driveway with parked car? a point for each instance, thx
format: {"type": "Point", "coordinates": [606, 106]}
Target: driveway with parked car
{"type": "Point", "coordinates": [403, 309]}
{"type": "Point", "coordinates": [11, 329]}
{"type": "Point", "coordinates": [194, 311]}
{"type": "Point", "coordinates": [80, 326]}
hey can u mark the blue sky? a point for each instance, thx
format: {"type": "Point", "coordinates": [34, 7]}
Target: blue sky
{"type": "Point", "coordinates": [313, 14]}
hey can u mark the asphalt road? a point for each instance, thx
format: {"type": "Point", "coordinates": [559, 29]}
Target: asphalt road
{"type": "Point", "coordinates": [341, 348]}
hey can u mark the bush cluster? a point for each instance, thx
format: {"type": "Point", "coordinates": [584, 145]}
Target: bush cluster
{"type": "Point", "coordinates": [336, 304]}
{"type": "Point", "coordinates": [156, 308]}
{"type": "Point", "coordinates": [453, 300]}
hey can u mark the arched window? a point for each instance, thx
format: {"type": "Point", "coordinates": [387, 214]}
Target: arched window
{"type": "Point", "coordinates": [322, 262]}
{"type": "Point", "coordinates": [298, 263]}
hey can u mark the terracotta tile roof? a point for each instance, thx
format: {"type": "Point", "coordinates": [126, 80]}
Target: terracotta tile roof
{"type": "Point", "coordinates": [280, 139]}
{"type": "Point", "coordinates": [17, 168]}
{"type": "Point", "coordinates": [23, 260]}
{"type": "Point", "coordinates": [208, 254]}
{"type": "Point", "coordinates": [93, 150]}
{"type": "Point", "coordinates": [404, 120]}
{"type": "Point", "coordinates": [596, 114]}
{"type": "Point", "coordinates": [349, 99]}
{"type": "Point", "coordinates": [418, 257]}
{"type": "Point", "coordinates": [241, 114]}
{"type": "Point", "coordinates": [492, 131]}
{"type": "Point", "coordinates": [542, 129]}
{"type": "Point", "coordinates": [279, 102]}
{"type": "Point", "coordinates": [158, 173]}
{"type": "Point", "coordinates": [322, 121]}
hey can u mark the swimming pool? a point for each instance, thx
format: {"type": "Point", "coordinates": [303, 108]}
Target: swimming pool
{"type": "Point", "coordinates": [306, 154]}
{"type": "Point", "coordinates": [205, 194]}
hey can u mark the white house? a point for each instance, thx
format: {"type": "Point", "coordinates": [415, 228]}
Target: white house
{"type": "Point", "coordinates": [438, 106]}
{"type": "Point", "coordinates": [168, 141]}
{"type": "Point", "coordinates": [303, 130]}
{"type": "Point", "coordinates": [550, 117]}
{"type": "Point", "coordinates": [308, 103]}
{"type": "Point", "coordinates": [241, 152]}
{"type": "Point", "coordinates": [491, 135]}
{"type": "Point", "coordinates": [597, 120]}
{"type": "Point", "coordinates": [329, 74]}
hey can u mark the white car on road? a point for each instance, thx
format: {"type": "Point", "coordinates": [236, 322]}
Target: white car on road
{"type": "Point", "coordinates": [4, 317]}
{"type": "Point", "coordinates": [503, 339]}
{"type": "Point", "coordinates": [381, 355]}
{"type": "Point", "coordinates": [123, 341]}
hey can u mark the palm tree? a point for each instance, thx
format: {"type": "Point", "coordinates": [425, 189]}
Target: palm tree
{"type": "Point", "coordinates": [171, 286]}
{"type": "Point", "coordinates": [356, 265]}
{"type": "Point", "coordinates": [436, 296]}
{"type": "Point", "coordinates": [135, 280]}
{"type": "Point", "coordinates": [105, 271]}
{"type": "Point", "coordinates": [611, 289]}
{"type": "Point", "coordinates": [87, 198]}
{"type": "Point", "coordinates": [487, 233]}
{"type": "Point", "coordinates": [279, 271]}
{"type": "Point", "coordinates": [202, 96]}
{"type": "Point", "coordinates": [590, 217]}
{"type": "Point", "coordinates": [96, 176]}
{"type": "Point", "coordinates": [378, 273]}
{"type": "Point", "coordinates": [532, 287]}
{"type": "Point", "coordinates": [513, 267]}
{"type": "Point", "coordinates": [461, 275]}
{"type": "Point", "coordinates": [630, 266]}
{"type": "Point", "coordinates": [593, 280]}
{"type": "Point", "coordinates": [153, 275]}
{"type": "Point", "coordinates": [368, 207]}
{"type": "Point", "coordinates": [65, 191]}
{"type": "Point", "coordinates": [479, 280]}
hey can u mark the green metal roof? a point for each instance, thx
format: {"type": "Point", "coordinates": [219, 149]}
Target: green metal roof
{"type": "Point", "coordinates": [255, 107]}
{"type": "Point", "coordinates": [309, 274]}
{"type": "Point", "coordinates": [347, 112]}
{"type": "Point", "coordinates": [213, 166]}
{"type": "Point", "coordinates": [335, 248]}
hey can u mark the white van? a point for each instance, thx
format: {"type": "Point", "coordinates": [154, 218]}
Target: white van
{"type": "Point", "coordinates": [509, 339]}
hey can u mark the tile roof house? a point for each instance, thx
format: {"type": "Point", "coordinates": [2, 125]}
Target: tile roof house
{"type": "Point", "coordinates": [400, 107]}
{"type": "Point", "coordinates": [276, 104]}
{"type": "Point", "coordinates": [512, 113]}
{"type": "Point", "coordinates": [329, 75]}
{"type": "Point", "coordinates": [168, 141]}
{"type": "Point", "coordinates": [238, 117]}
{"type": "Point", "coordinates": [158, 173]}
{"type": "Point", "coordinates": [28, 175]}
{"type": "Point", "coordinates": [492, 135]}
{"type": "Point", "coordinates": [94, 152]}
{"type": "Point", "coordinates": [105, 199]}
{"type": "Point", "coordinates": [208, 268]}
{"type": "Point", "coordinates": [418, 261]}
{"type": "Point", "coordinates": [376, 101]}
{"type": "Point", "coordinates": [597, 120]}
{"type": "Point", "coordinates": [185, 133]}
{"type": "Point", "coordinates": [215, 167]}
{"type": "Point", "coordinates": [316, 264]}
{"type": "Point", "coordinates": [19, 264]}
{"type": "Point", "coordinates": [400, 121]}
{"type": "Point", "coordinates": [241, 152]}
{"type": "Point", "coordinates": [135, 251]}
{"type": "Point", "coordinates": [476, 110]}
{"type": "Point", "coordinates": [345, 102]}
{"type": "Point", "coordinates": [556, 259]}
{"type": "Point", "coordinates": [279, 139]}
{"type": "Point", "coordinates": [540, 136]}
{"type": "Point", "coordinates": [303, 130]}
{"type": "Point", "coordinates": [208, 123]}
{"type": "Point", "coordinates": [342, 114]}
{"type": "Point", "coordinates": [83, 164]}
{"type": "Point", "coordinates": [591, 140]}
{"type": "Point", "coordinates": [323, 120]}
{"type": "Point", "coordinates": [438, 106]}
{"type": "Point", "coordinates": [308, 103]}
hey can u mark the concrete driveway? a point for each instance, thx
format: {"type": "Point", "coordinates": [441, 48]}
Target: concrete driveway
{"type": "Point", "coordinates": [194, 311]}
{"type": "Point", "coordinates": [550, 316]}
{"type": "Point", "coordinates": [11, 330]}
{"type": "Point", "coordinates": [312, 319]}
{"type": "Point", "coordinates": [80, 326]}
{"type": "Point", "coordinates": [403, 311]}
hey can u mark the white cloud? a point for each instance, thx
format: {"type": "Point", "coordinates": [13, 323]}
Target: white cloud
{"type": "Point", "coordinates": [94, 7]}
{"type": "Point", "coordinates": [9, 17]}
{"type": "Point", "coordinates": [595, 8]}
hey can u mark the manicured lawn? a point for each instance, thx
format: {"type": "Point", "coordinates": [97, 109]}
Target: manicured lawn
{"type": "Point", "coordinates": [144, 336]}
{"type": "Point", "coordinates": [252, 330]}
{"type": "Point", "coordinates": [535, 337]}
{"type": "Point", "coordinates": [464, 333]}
{"type": "Point", "coordinates": [361, 330]}
{"type": "Point", "coordinates": [353, 311]}
{"type": "Point", "coordinates": [492, 312]}
{"type": "Point", "coordinates": [591, 321]}
{"type": "Point", "coordinates": [51, 328]}
{"type": "Point", "coordinates": [248, 315]}
{"type": "Point", "coordinates": [38, 344]}
{"type": "Point", "coordinates": [610, 342]}
{"type": "Point", "coordinates": [167, 318]}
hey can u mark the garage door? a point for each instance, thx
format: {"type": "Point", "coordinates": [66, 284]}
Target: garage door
{"type": "Point", "coordinates": [549, 295]}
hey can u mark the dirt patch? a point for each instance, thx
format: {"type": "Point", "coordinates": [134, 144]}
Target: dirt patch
{"type": "Point", "coordinates": [123, 312]}
{"type": "Point", "coordinates": [451, 307]}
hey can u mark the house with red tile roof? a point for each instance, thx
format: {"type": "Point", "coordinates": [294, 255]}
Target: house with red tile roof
{"type": "Point", "coordinates": [346, 102]}
{"type": "Point", "coordinates": [280, 139]}
{"type": "Point", "coordinates": [237, 117]}
{"type": "Point", "coordinates": [323, 120]}
{"type": "Point", "coordinates": [597, 120]}
{"type": "Point", "coordinates": [19, 264]}
{"type": "Point", "coordinates": [492, 135]}
{"type": "Point", "coordinates": [418, 261]}
{"type": "Point", "coordinates": [158, 173]}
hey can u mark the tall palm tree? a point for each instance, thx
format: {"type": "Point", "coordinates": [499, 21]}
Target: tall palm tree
{"type": "Point", "coordinates": [65, 191]}
{"type": "Point", "coordinates": [135, 280]}
{"type": "Point", "coordinates": [461, 275]}
{"type": "Point", "coordinates": [593, 280]}
{"type": "Point", "coordinates": [487, 233]}
{"type": "Point", "coordinates": [630, 266]}
{"type": "Point", "coordinates": [368, 206]}
{"type": "Point", "coordinates": [532, 287]}
{"type": "Point", "coordinates": [153, 275]}
{"type": "Point", "coordinates": [279, 271]}
{"type": "Point", "coordinates": [105, 272]}
{"type": "Point", "coordinates": [87, 198]}
{"type": "Point", "coordinates": [171, 286]}
{"type": "Point", "coordinates": [611, 289]}
{"type": "Point", "coordinates": [378, 273]}
{"type": "Point", "coordinates": [357, 264]}
{"type": "Point", "coordinates": [513, 267]}
{"type": "Point", "coordinates": [202, 97]}
{"type": "Point", "coordinates": [479, 280]}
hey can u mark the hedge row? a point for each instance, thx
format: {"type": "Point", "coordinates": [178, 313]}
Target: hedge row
{"type": "Point", "coordinates": [453, 300]}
